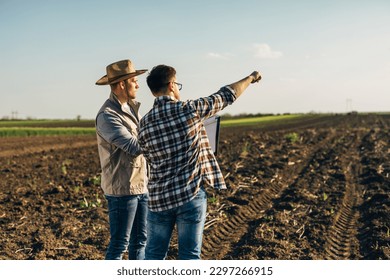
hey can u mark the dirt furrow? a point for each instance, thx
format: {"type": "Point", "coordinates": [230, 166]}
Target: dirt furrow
{"type": "Point", "coordinates": [341, 236]}
{"type": "Point", "coordinates": [316, 184]}
{"type": "Point", "coordinates": [251, 214]}
{"type": "Point", "coordinates": [37, 144]}
{"type": "Point", "coordinates": [374, 222]}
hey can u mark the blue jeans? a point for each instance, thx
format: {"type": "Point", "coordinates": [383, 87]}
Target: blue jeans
{"type": "Point", "coordinates": [189, 218]}
{"type": "Point", "coordinates": [127, 216]}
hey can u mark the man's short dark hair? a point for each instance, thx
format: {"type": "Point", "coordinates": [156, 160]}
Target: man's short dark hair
{"type": "Point", "coordinates": [159, 78]}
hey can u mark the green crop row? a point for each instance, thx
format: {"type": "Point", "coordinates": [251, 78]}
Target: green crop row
{"type": "Point", "coordinates": [261, 120]}
{"type": "Point", "coordinates": [69, 127]}
{"type": "Point", "coordinates": [40, 131]}
{"type": "Point", "coordinates": [47, 123]}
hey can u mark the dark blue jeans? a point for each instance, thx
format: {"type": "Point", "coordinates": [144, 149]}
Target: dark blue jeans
{"type": "Point", "coordinates": [189, 218]}
{"type": "Point", "coordinates": [127, 215]}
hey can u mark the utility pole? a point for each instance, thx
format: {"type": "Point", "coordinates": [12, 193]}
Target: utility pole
{"type": "Point", "coordinates": [14, 115]}
{"type": "Point", "coordinates": [349, 105]}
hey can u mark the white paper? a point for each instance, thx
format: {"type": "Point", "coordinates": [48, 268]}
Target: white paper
{"type": "Point", "coordinates": [212, 130]}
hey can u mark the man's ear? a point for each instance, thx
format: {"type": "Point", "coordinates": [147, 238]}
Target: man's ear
{"type": "Point", "coordinates": [121, 84]}
{"type": "Point", "coordinates": [171, 87]}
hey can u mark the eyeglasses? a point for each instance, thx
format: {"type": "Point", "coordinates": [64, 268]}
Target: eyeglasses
{"type": "Point", "coordinates": [179, 85]}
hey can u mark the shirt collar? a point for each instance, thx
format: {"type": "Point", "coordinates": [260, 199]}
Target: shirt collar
{"type": "Point", "coordinates": [131, 108]}
{"type": "Point", "coordinates": [163, 99]}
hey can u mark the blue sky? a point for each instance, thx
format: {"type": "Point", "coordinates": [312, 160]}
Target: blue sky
{"type": "Point", "coordinates": [322, 56]}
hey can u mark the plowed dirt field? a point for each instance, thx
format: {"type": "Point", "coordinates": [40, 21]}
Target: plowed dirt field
{"type": "Point", "coordinates": [317, 189]}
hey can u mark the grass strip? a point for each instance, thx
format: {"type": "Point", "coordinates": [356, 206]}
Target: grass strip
{"type": "Point", "coordinates": [259, 121]}
{"type": "Point", "coordinates": [43, 131]}
{"type": "Point", "coordinates": [47, 123]}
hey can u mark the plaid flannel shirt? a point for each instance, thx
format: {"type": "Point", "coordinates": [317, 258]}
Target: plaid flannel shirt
{"type": "Point", "coordinates": [173, 140]}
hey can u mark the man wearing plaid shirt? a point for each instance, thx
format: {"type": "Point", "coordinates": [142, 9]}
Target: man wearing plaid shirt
{"type": "Point", "coordinates": [174, 142]}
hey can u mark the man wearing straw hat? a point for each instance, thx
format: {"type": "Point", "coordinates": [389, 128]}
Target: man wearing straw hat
{"type": "Point", "coordinates": [124, 171]}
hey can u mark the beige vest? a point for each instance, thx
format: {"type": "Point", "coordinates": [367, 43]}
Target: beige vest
{"type": "Point", "coordinates": [122, 173]}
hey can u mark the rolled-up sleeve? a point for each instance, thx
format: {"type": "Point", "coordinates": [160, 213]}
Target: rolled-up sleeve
{"type": "Point", "coordinates": [209, 106]}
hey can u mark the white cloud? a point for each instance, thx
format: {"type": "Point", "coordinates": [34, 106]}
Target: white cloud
{"type": "Point", "coordinates": [265, 51]}
{"type": "Point", "coordinates": [225, 56]}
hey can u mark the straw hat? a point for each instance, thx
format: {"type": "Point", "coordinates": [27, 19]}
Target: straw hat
{"type": "Point", "coordinates": [119, 71]}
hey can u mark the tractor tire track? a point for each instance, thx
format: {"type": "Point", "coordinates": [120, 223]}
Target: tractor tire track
{"type": "Point", "coordinates": [228, 234]}
{"type": "Point", "coordinates": [340, 152]}
{"type": "Point", "coordinates": [341, 242]}
{"type": "Point", "coordinates": [327, 157]}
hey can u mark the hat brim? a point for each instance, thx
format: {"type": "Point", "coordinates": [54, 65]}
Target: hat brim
{"type": "Point", "coordinates": [104, 80]}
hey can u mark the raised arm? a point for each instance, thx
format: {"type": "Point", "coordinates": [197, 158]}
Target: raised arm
{"type": "Point", "coordinates": [240, 86]}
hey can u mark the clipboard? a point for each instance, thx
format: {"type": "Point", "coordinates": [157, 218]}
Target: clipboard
{"type": "Point", "coordinates": [212, 129]}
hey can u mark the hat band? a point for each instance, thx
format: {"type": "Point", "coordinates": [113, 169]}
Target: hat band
{"type": "Point", "coordinates": [117, 77]}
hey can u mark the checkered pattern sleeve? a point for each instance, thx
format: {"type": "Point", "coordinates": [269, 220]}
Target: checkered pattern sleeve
{"type": "Point", "coordinates": [207, 107]}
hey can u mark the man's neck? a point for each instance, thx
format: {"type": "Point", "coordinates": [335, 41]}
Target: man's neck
{"type": "Point", "coordinates": [164, 94]}
{"type": "Point", "coordinates": [121, 99]}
